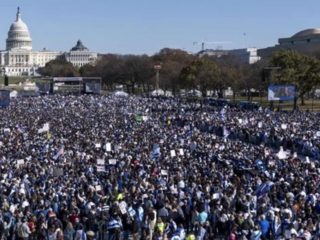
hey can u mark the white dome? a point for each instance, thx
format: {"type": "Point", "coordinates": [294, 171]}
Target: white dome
{"type": "Point", "coordinates": [18, 35]}
{"type": "Point", "coordinates": [308, 32]}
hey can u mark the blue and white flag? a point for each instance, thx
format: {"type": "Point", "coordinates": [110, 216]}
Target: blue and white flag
{"type": "Point", "coordinates": [225, 132]}
{"type": "Point", "coordinates": [223, 114]}
{"type": "Point", "coordinates": [59, 153]}
{"type": "Point", "coordinates": [155, 153]}
{"type": "Point", "coordinates": [263, 189]}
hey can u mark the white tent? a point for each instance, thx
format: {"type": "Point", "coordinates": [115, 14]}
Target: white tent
{"type": "Point", "coordinates": [13, 94]}
{"type": "Point", "coordinates": [194, 93]}
{"type": "Point", "coordinates": [120, 94]}
{"type": "Point", "coordinates": [160, 92]}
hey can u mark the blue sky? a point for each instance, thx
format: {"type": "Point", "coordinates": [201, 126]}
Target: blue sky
{"type": "Point", "coordinates": [146, 26]}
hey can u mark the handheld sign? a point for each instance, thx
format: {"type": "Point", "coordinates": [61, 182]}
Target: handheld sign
{"type": "Point", "coordinates": [108, 147]}
{"type": "Point", "coordinates": [100, 162]}
{"type": "Point", "coordinates": [173, 153]}
{"type": "Point", "coordinates": [181, 152]}
{"type": "Point", "coordinates": [112, 161]}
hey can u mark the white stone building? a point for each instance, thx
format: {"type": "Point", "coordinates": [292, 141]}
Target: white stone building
{"type": "Point", "coordinates": [20, 60]}
{"type": "Point", "coordinates": [246, 55]}
{"type": "Point", "coordinates": [79, 55]}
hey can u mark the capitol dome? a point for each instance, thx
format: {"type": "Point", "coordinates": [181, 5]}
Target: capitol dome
{"type": "Point", "coordinates": [18, 35]}
{"type": "Point", "coordinates": [79, 47]}
{"type": "Point", "coordinates": [308, 32]}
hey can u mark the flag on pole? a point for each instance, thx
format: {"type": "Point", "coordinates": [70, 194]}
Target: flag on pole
{"type": "Point", "coordinates": [263, 189]}
{"type": "Point", "coordinates": [45, 128]}
{"type": "Point", "coordinates": [156, 153]}
{"type": "Point", "coordinates": [59, 153]}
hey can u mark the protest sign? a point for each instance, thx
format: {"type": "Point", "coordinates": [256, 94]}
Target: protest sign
{"type": "Point", "coordinates": [123, 207]}
{"type": "Point", "coordinates": [100, 161]}
{"type": "Point", "coordinates": [45, 128]}
{"type": "Point", "coordinates": [181, 152]}
{"type": "Point", "coordinates": [164, 172]}
{"type": "Point", "coordinates": [108, 147]}
{"type": "Point", "coordinates": [172, 153]}
{"type": "Point", "coordinates": [57, 172]}
{"type": "Point", "coordinates": [101, 169]}
{"type": "Point", "coordinates": [112, 161]}
{"type": "Point", "coordinates": [20, 162]}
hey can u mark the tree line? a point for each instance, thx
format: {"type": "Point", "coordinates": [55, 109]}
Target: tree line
{"type": "Point", "coordinates": [181, 70]}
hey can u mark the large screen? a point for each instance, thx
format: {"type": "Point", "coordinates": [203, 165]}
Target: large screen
{"type": "Point", "coordinates": [4, 98]}
{"type": "Point", "coordinates": [281, 92]}
{"type": "Point", "coordinates": [44, 88]}
{"type": "Point", "coordinates": [92, 87]}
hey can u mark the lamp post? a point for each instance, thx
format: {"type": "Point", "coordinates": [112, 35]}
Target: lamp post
{"type": "Point", "coordinates": [157, 67]}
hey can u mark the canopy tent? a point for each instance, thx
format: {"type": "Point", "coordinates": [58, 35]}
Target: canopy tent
{"type": "Point", "coordinates": [120, 94]}
{"type": "Point", "coordinates": [160, 92]}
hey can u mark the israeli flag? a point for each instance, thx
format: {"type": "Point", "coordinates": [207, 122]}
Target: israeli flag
{"type": "Point", "coordinates": [155, 153]}
{"type": "Point", "coordinates": [263, 189]}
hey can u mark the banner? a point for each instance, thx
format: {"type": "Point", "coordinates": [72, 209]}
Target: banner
{"type": "Point", "coordinates": [281, 92]}
{"type": "Point", "coordinates": [92, 87]}
{"type": "Point", "coordinates": [44, 87]}
{"type": "Point", "coordinates": [4, 98]}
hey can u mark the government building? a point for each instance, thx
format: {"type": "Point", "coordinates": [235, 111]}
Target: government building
{"type": "Point", "coordinates": [306, 41]}
{"type": "Point", "coordinates": [19, 59]}
{"type": "Point", "coordinates": [245, 55]}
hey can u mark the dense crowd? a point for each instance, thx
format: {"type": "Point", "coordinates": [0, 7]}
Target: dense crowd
{"type": "Point", "coordinates": [97, 167]}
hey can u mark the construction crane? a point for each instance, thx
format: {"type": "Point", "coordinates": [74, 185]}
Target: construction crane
{"type": "Point", "coordinates": [203, 43]}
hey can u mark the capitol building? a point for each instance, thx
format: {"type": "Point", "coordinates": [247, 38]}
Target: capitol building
{"type": "Point", "coordinates": [19, 59]}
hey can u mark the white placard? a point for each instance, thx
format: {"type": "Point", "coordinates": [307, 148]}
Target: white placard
{"type": "Point", "coordinates": [98, 188]}
{"type": "Point", "coordinates": [112, 161]}
{"type": "Point", "coordinates": [282, 154]}
{"type": "Point", "coordinates": [181, 152]}
{"type": "Point", "coordinates": [108, 147]}
{"type": "Point", "coordinates": [164, 172]}
{"type": "Point", "coordinates": [100, 161]}
{"type": "Point", "coordinates": [173, 153]}
{"type": "Point", "coordinates": [123, 207]}
{"type": "Point", "coordinates": [318, 134]}
{"type": "Point", "coordinates": [20, 162]}
{"type": "Point", "coordinates": [98, 145]}
{"type": "Point", "coordinates": [284, 126]}
{"type": "Point", "coordinates": [215, 196]}
{"type": "Point", "coordinates": [45, 128]}
{"type": "Point", "coordinates": [259, 124]}
{"type": "Point", "coordinates": [101, 169]}
{"type": "Point", "coordinates": [144, 118]}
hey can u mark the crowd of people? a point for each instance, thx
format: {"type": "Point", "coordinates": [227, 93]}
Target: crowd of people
{"type": "Point", "coordinates": [108, 168]}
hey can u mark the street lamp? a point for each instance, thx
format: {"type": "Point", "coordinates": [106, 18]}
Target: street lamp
{"type": "Point", "coordinates": [157, 67]}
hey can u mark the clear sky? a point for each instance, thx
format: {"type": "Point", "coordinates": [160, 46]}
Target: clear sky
{"type": "Point", "coordinates": [146, 26]}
